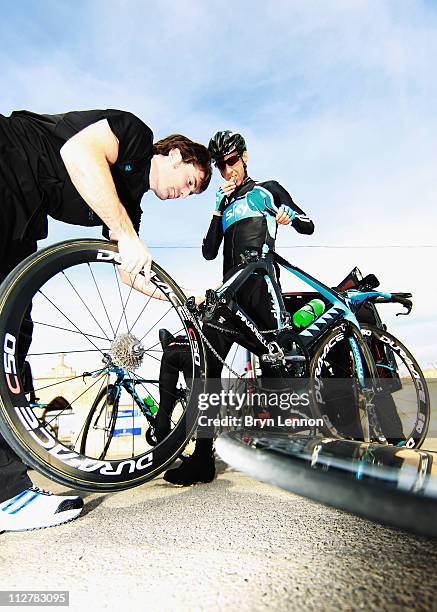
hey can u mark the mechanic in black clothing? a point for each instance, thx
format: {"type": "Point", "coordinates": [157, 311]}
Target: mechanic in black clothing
{"type": "Point", "coordinates": [84, 168]}
{"type": "Point", "coordinates": [176, 357]}
{"type": "Point", "coordinates": [246, 217]}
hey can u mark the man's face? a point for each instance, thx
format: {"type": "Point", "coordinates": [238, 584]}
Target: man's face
{"type": "Point", "coordinates": [175, 178]}
{"type": "Point", "coordinates": [231, 167]}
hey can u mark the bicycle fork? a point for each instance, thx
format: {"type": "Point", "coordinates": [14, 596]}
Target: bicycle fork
{"type": "Point", "coordinates": [366, 406]}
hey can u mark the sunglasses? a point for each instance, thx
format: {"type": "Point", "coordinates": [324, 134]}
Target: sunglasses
{"type": "Point", "coordinates": [231, 161]}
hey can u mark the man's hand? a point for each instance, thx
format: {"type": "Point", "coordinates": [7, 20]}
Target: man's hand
{"type": "Point", "coordinates": [139, 283]}
{"type": "Point", "coordinates": [225, 190]}
{"type": "Point", "coordinates": [134, 255]}
{"type": "Point", "coordinates": [228, 187]}
{"type": "Point", "coordinates": [285, 215]}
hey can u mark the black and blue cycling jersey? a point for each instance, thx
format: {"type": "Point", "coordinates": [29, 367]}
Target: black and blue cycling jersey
{"type": "Point", "coordinates": [248, 221]}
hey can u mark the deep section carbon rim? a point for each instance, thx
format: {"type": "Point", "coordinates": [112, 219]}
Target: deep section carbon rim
{"type": "Point", "coordinates": [88, 329]}
{"type": "Point", "coordinates": [337, 387]}
{"type": "Point", "coordinates": [403, 387]}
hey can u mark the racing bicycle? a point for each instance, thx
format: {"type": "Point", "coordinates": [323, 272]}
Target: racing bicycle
{"type": "Point", "coordinates": [403, 393]}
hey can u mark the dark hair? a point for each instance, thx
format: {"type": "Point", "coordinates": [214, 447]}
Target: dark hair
{"type": "Point", "coordinates": [191, 152]}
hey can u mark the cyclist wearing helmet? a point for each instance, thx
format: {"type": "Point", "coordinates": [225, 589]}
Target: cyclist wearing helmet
{"type": "Point", "coordinates": [246, 217]}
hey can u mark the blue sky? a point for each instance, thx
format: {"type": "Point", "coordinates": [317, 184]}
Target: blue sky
{"type": "Point", "coordinates": [337, 101]}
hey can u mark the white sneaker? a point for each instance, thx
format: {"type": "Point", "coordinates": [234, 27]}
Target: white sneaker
{"type": "Point", "coordinates": [37, 508]}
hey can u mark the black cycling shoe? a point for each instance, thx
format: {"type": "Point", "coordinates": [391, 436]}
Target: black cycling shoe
{"type": "Point", "coordinates": [194, 470]}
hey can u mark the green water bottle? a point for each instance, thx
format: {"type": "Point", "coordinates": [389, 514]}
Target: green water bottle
{"type": "Point", "coordinates": [308, 313]}
{"type": "Point", "coordinates": [150, 403]}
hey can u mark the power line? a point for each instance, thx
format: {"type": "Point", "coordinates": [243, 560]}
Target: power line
{"type": "Point", "coordinates": [324, 246]}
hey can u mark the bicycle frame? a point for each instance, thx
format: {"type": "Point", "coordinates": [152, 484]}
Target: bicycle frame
{"type": "Point", "coordinates": [338, 311]}
{"type": "Point", "coordinates": [129, 385]}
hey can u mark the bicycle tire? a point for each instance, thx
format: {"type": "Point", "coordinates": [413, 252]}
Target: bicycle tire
{"type": "Point", "coordinates": [18, 424]}
{"type": "Point", "coordinates": [104, 394]}
{"type": "Point", "coordinates": [382, 495]}
{"type": "Point", "coordinates": [412, 376]}
{"type": "Point", "coordinates": [332, 372]}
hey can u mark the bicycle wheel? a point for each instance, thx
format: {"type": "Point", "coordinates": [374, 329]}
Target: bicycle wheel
{"type": "Point", "coordinates": [84, 322]}
{"type": "Point", "coordinates": [402, 402]}
{"type": "Point", "coordinates": [99, 426]}
{"type": "Point", "coordinates": [341, 394]}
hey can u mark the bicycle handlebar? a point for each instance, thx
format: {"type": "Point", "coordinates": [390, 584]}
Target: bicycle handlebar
{"type": "Point", "coordinates": [398, 298]}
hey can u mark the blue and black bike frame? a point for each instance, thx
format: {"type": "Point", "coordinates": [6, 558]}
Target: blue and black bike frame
{"type": "Point", "coordinates": [339, 309]}
{"type": "Point", "coordinates": [127, 383]}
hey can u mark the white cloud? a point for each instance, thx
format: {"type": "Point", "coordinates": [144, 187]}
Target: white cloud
{"type": "Point", "coordinates": [337, 101]}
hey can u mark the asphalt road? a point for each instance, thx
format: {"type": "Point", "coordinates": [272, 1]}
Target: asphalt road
{"type": "Point", "coordinates": [232, 544]}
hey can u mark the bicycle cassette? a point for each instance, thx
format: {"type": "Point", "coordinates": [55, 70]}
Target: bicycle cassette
{"type": "Point", "coordinates": [127, 352]}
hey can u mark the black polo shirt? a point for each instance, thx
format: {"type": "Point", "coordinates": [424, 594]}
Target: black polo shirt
{"type": "Point", "coordinates": [35, 182]}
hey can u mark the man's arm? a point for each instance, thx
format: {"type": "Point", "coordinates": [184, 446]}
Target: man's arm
{"type": "Point", "coordinates": [214, 236]}
{"type": "Point", "coordinates": [213, 239]}
{"type": "Point", "coordinates": [282, 199]}
{"type": "Point", "coordinates": [88, 156]}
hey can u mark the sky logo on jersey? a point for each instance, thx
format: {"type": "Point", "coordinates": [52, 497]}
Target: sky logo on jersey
{"type": "Point", "coordinates": [127, 168]}
{"type": "Point", "coordinates": [240, 209]}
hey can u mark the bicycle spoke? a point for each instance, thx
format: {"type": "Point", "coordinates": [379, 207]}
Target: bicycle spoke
{"type": "Point", "coordinates": [126, 303]}
{"type": "Point", "coordinates": [61, 382]}
{"type": "Point", "coordinates": [70, 321]}
{"type": "Point", "coordinates": [157, 343]}
{"type": "Point", "coordinates": [153, 357]}
{"type": "Point", "coordinates": [123, 313]}
{"type": "Point", "coordinates": [144, 308]}
{"type": "Point", "coordinates": [69, 406]}
{"type": "Point", "coordinates": [153, 326]}
{"type": "Point", "coordinates": [86, 306]}
{"type": "Point", "coordinates": [64, 352]}
{"type": "Point", "coordinates": [73, 331]}
{"type": "Point", "coordinates": [101, 299]}
{"type": "Point", "coordinates": [81, 429]}
{"type": "Point", "coordinates": [79, 396]}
